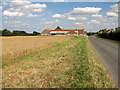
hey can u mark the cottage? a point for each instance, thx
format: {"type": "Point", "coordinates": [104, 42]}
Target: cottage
{"type": "Point", "coordinates": [110, 30]}
{"type": "Point", "coordinates": [61, 31]}
{"type": "Point", "coordinates": [100, 32]}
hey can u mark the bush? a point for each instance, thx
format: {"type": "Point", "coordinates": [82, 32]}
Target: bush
{"type": "Point", "coordinates": [6, 32]}
{"type": "Point", "coordinates": [112, 35]}
{"type": "Point", "coordinates": [19, 33]}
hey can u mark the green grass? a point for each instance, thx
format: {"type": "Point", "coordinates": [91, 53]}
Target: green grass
{"type": "Point", "coordinates": [72, 64]}
{"type": "Point", "coordinates": [114, 41]}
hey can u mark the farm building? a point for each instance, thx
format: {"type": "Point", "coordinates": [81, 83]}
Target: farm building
{"type": "Point", "coordinates": [61, 31]}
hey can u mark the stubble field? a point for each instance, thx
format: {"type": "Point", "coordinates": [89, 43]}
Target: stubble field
{"type": "Point", "coordinates": [16, 46]}
{"type": "Point", "coordinates": [71, 64]}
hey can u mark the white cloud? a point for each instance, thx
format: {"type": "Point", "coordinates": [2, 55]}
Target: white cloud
{"type": "Point", "coordinates": [31, 15]}
{"type": "Point", "coordinates": [71, 18]}
{"type": "Point", "coordinates": [88, 22]}
{"type": "Point", "coordinates": [96, 15]}
{"type": "Point", "coordinates": [8, 13]}
{"type": "Point", "coordinates": [19, 3]}
{"type": "Point", "coordinates": [37, 5]}
{"type": "Point", "coordinates": [79, 13]}
{"type": "Point", "coordinates": [49, 22]}
{"type": "Point", "coordinates": [95, 21]}
{"type": "Point", "coordinates": [114, 7]}
{"type": "Point", "coordinates": [18, 26]}
{"type": "Point", "coordinates": [4, 4]}
{"type": "Point", "coordinates": [112, 14]}
{"type": "Point", "coordinates": [12, 22]}
{"type": "Point", "coordinates": [14, 9]}
{"type": "Point", "coordinates": [23, 8]}
{"type": "Point", "coordinates": [0, 7]}
{"type": "Point", "coordinates": [56, 20]}
{"type": "Point", "coordinates": [77, 18]}
{"type": "Point", "coordinates": [57, 16]}
{"type": "Point", "coordinates": [86, 10]}
{"type": "Point", "coordinates": [37, 10]}
{"type": "Point", "coordinates": [81, 18]}
{"type": "Point", "coordinates": [77, 23]}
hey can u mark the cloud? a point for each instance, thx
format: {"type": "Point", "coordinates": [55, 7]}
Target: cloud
{"type": "Point", "coordinates": [18, 26]}
{"type": "Point", "coordinates": [81, 18]}
{"type": "Point", "coordinates": [23, 8]}
{"type": "Point", "coordinates": [4, 4]}
{"type": "Point", "coordinates": [0, 7]}
{"type": "Point", "coordinates": [88, 22]}
{"type": "Point", "coordinates": [12, 22]}
{"type": "Point", "coordinates": [56, 20]}
{"type": "Point", "coordinates": [95, 21]}
{"type": "Point", "coordinates": [77, 23]}
{"type": "Point", "coordinates": [31, 15]}
{"type": "Point", "coordinates": [71, 18]}
{"type": "Point", "coordinates": [8, 13]}
{"type": "Point", "coordinates": [112, 14]}
{"type": "Point", "coordinates": [79, 13]}
{"type": "Point", "coordinates": [37, 5]}
{"type": "Point", "coordinates": [77, 18]}
{"type": "Point", "coordinates": [37, 10]}
{"type": "Point", "coordinates": [96, 15]}
{"type": "Point", "coordinates": [86, 10]}
{"type": "Point", "coordinates": [114, 7]}
{"type": "Point", "coordinates": [19, 3]}
{"type": "Point", "coordinates": [49, 22]}
{"type": "Point", "coordinates": [57, 16]}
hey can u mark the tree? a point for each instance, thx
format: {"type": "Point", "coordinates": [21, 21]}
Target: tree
{"type": "Point", "coordinates": [117, 29]}
{"type": "Point", "coordinates": [0, 32]}
{"type": "Point", "coordinates": [104, 30]}
{"type": "Point", "coordinates": [6, 32]}
{"type": "Point", "coordinates": [115, 35]}
{"type": "Point", "coordinates": [19, 33]}
{"type": "Point", "coordinates": [35, 33]}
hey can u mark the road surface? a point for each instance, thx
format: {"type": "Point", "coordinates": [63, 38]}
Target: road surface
{"type": "Point", "coordinates": [108, 52]}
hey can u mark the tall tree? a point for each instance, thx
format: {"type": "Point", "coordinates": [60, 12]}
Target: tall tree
{"type": "Point", "coordinates": [6, 32]}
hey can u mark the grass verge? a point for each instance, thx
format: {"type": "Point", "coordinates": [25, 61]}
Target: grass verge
{"type": "Point", "coordinates": [70, 64]}
{"type": "Point", "coordinates": [114, 41]}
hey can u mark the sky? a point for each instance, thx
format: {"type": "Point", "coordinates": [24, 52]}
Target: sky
{"type": "Point", "coordinates": [30, 16]}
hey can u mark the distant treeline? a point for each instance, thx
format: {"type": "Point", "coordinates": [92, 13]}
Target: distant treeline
{"type": "Point", "coordinates": [91, 33]}
{"type": "Point", "coordinates": [113, 35]}
{"type": "Point", "coordinates": [6, 32]}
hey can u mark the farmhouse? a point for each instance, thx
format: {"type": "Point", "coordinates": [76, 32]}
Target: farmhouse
{"type": "Point", "coordinates": [110, 30]}
{"type": "Point", "coordinates": [100, 32]}
{"type": "Point", "coordinates": [61, 31]}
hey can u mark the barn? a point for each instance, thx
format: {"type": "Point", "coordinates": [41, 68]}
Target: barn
{"type": "Point", "coordinates": [60, 31]}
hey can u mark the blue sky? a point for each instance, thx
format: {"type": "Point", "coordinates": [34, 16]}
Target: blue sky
{"type": "Point", "coordinates": [37, 16]}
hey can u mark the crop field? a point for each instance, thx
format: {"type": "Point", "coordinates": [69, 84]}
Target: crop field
{"type": "Point", "coordinates": [16, 46]}
{"type": "Point", "coordinates": [71, 64]}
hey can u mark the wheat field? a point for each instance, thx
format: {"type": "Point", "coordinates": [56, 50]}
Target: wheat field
{"type": "Point", "coordinates": [20, 45]}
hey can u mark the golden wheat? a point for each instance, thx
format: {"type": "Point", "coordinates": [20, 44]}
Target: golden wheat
{"type": "Point", "coordinates": [16, 46]}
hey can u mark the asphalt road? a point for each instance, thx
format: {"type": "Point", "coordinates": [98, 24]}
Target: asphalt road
{"type": "Point", "coordinates": [108, 52]}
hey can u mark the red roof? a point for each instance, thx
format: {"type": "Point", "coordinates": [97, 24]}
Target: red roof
{"type": "Point", "coordinates": [48, 30]}
{"type": "Point", "coordinates": [72, 32]}
{"type": "Point", "coordinates": [81, 31]}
